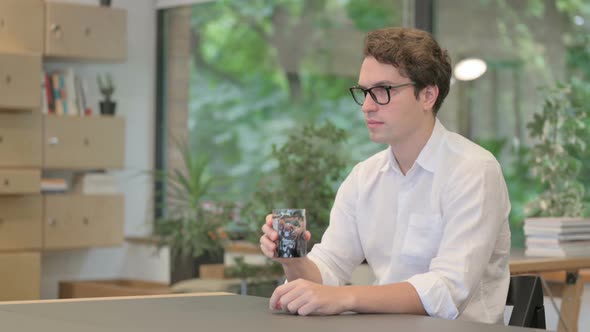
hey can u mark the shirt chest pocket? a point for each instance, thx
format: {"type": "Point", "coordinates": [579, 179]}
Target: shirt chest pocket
{"type": "Point", "coordinates": [423, 237]}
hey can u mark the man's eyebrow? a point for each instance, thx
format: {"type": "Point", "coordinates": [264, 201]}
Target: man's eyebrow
{"type": "Point", "coordinates": [386, 82]}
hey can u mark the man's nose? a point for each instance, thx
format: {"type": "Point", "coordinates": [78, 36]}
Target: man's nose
{"type": "Point", "coordinates": [369, 105]}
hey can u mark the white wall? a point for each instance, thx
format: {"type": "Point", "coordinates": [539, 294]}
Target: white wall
{"type": "Point", "coordinates": [135, 96]}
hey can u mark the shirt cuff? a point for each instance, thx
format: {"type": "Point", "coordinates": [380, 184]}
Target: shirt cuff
{"type": "Point", "coordinates": [328, 277]}
{"type": "Point", "coordinates": [435, 295]}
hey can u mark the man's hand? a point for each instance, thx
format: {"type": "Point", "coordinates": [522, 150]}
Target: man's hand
{"type": "Point", "coordinates": [305, 297]}
{"type": "Point", "coordinates": [268, 244]}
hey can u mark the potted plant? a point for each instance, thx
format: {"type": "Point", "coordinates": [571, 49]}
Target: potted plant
{"type": "Point", "coordinates": [310, 166]}
{"type": "Point", "coordinates": [193, 224]}
{"type": "Point", "coordinates": [107, 88]}
{"type": "Point", "coordinates": [562, 133]}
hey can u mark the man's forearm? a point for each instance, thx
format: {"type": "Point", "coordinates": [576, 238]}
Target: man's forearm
{"type": "Point", "coordinates": [393, 298]}
{"type": "Point", "coordinates": [302, 268]}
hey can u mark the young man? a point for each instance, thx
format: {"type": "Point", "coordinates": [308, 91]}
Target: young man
{"type": "Point", "coordinates": [429, 214]}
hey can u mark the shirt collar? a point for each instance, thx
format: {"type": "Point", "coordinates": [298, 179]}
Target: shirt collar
{"type": "Point", "coordinates": [390, 162]}
{"type": "Point", "coordinates": [428, 157]}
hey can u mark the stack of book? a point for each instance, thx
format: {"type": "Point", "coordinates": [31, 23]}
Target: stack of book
{"type": "Point", "coordinates": [63, 93]}
{"type": "Point", "coordinates": [557, 237]}
{"type": "Point", "coordinates": [54, 185]}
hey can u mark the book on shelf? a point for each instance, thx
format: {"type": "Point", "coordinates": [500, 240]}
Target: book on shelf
{"type": "Point", "coordinates": [558, 251]}
{"type": "Point", "coordinates": [64, 93]}
{"type": "Point", "coordinates": [542, 230]}
{"type": "Point", "coordinates": [54, 185]}
{"type": "Point", "coordinates": [557, 222]}
{"type": "Point", "coordinates": [557, 237]}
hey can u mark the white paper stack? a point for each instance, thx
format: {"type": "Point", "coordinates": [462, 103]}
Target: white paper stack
{"type": "Point", "coordinates": [557, 237]}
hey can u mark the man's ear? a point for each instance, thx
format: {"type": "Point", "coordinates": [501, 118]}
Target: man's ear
{"type": "Point", "coordinates": [428, 96]}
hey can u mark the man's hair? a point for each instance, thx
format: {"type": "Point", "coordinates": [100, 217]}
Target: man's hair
{"type": "Point", "coordinates": [415, 54]}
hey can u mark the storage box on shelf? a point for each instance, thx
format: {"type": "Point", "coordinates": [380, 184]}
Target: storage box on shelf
{"type": "Point", "coordinates": [81, 142]}
{"type": "Point", "coordinates": [85, 32]}
{"type": "Point", "coordinates": [18, 73]}
{"type": "Point", "coordinates": [30, 142]}
{"type": "Point", "coordinates": [20, 138]}
{"type": "Point", "coordinates": [20, 275]}
{"type": "Point", "coordinates": [20, 222]}
{"type": "Point", "coordinates": [21, 25]}
{"type": "Point", "coordinates": [77, 221]}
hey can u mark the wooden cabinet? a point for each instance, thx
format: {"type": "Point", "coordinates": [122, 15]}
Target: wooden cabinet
{"type": "Point", "coordinates": [20, 139]}
{"type": "Point", "coordinates": [74, 221]}
{"type": "Point", "coordinates": [20, 81]}
{"type": "Point", "coordinates": [20, 222]}
{"type": "Point", "coordinates": [82, 31]}
{"type": "Point", "coordinates": [20, 181]}
{"type": "Point", "coordinates": [31, 31]}
{"type": "Point", "coordinates": [21, 25]}
{"type": "Point", "coordinates": [84, 142]}
{"type": "Point", "coordinates": [20, 276]}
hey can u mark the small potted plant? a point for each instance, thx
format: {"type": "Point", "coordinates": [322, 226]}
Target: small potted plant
{"type": "Point", "coordinates": [107, 88]}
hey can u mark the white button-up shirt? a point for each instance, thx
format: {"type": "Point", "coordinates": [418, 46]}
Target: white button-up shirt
{"type": "Point", "coordinates": [443, 227]}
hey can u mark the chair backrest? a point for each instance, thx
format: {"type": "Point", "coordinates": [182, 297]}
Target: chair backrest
{"type": "Point", "coordinates": [525, 294]}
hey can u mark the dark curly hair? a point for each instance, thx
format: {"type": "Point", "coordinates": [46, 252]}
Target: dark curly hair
{"type": "Point", "coordinates": [415, 54]}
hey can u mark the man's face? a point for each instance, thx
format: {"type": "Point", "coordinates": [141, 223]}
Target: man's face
{"type": "Point", "coordinates": [404, 115]}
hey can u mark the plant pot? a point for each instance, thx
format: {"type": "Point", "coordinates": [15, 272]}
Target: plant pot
{"type": "Point", "coordinates": [187, 267]}
{"type": "Point", "coordinates": [108, 107]}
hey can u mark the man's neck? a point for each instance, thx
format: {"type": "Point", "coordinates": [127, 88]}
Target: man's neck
{"type": "Point", "coordinates": [406, 152]}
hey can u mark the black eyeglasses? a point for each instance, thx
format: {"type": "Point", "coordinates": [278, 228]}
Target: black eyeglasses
{"type": "Point", "coordinates": [381, 93]}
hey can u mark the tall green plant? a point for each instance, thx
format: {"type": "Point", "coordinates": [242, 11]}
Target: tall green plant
{"type": "Point", "coordinates": [561, 135]}
{"type": "Point", "coordinates": [310, 165]}
{"type": "Point", "coordinates": [193, 224]}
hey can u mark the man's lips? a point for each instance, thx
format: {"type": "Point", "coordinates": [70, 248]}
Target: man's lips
{"type": "Point", "coordinates": [373, 123]}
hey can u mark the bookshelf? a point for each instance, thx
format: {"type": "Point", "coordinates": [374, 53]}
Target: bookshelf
{"type": "Point", "coordinates": [31, 142]}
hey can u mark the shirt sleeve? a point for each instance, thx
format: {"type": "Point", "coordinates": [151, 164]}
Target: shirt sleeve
{"type": "Point", "coordinates": [475, 207]}
{"type": "Point", "coordinates": [340, 250]}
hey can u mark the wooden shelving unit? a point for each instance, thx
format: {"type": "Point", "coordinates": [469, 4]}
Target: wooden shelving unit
{"type": "Point", "coordinates": [30, 142]}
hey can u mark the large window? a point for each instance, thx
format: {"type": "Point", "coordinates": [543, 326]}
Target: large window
{"type": "Point", "coordinates": [239, 75]}
{"type": "Point", "coordinates": [526, 45]}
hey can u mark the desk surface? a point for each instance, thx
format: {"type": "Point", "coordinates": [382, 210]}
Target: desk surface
{"type": "Point", "coordinates": [519, 263]}
{"type": "Point", "coordinates": [206, 313]}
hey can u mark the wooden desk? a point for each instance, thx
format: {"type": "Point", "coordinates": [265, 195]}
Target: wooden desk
{"type": "Point", "coordinates": [206, 313]}
{"type": "Point", "coordinates": [570, 290]}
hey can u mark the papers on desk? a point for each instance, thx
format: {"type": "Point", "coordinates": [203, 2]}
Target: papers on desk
{"type": "Point", "coordinates": [557, 237]}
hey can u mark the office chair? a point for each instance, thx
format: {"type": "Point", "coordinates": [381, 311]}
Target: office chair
{"type": "Point", "coordinates": [525, 294]}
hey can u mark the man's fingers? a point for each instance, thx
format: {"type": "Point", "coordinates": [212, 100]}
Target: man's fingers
{"type": "Point", "coordinates": [274, 301]}
{"type": "Point", "coordinates": [307, 308]}
{"type": "Point", "coordinates": [270, 233]}
{"type": "Point", "coordinates": [267, 246]}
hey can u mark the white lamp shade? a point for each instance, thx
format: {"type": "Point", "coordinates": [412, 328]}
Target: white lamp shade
{"type": "Point", "coordinates": [469, 69]}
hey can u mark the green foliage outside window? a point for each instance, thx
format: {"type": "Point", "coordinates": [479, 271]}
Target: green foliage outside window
{"type": "Point", "coordinates": [562, 133]}
{"type": "Point", "coordinates": [526, 189]}
{"type": "Point", "coordinates": [263, 68]}
{"type": "Point", "coordinates": [310, 166]}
